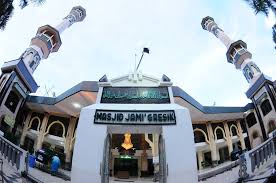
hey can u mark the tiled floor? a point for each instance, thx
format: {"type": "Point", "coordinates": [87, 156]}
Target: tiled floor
{"type": "Point", "coordinates": [45, 177]}
{"type": "Point", "coordinates": [12, 176]}
{"type": "Point", "coordinates": [140, 180]}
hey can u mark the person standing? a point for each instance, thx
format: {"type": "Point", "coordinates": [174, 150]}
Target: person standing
{"type": "Point", "coordinates": [55, 164]}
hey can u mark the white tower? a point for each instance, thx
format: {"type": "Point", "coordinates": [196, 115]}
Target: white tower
{"type": "Point", "coordinates": [16, 80]}
{"type": "Point", "coordinates": [47, 39]}
{"type": "Point", "coordinates": [237, 52]}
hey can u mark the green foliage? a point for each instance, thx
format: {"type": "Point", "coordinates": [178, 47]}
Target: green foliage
{"type": "Point", "coordinates": [262, 6]}
{"type": "Point", "coordinates": [6, 9]}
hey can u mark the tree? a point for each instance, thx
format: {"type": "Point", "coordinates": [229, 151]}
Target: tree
{"type": "Point", "coordinates": [263, 6]}
{"type": "Point", "coordinates": [6, 9]}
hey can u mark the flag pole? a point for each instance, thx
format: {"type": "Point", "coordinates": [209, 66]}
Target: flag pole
{"type": "Point", "coordinates": [145, 50]}
{"type": "Point", "coordinates": [140, 61]}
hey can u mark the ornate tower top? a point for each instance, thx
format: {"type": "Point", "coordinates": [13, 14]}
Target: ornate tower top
{"type": "Point", "coordinates": [47, 39]}
{"type": "Point", "coordinates": [237, 52]}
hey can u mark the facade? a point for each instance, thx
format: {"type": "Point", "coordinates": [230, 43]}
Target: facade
{"type": "Point", "coordinates": [38, 122]}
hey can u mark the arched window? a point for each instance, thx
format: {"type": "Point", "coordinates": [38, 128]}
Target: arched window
{"type": "Point", "coordinates": [271, 126]}
{"type": "Point", "coordinates": [234, 131]}
{"type": "Point", "coordinates": [250, 119]}
{"type": "Point", "coordinates": [219, 133]}
{"type": "Point", "coordinates": [199, 136]}
{"type": "Point", "coordinates": [35, 123]}
{"type": "Point", "coordinates": [249, 73]}
{"type": "Point", "coordinates": [266, 107]}
{"type": "Point", "coordinates": [12, 101]}
{"type": "Point", "coordinates": [255, 69]}
{"type": "Point", "coordinates": [56, 129]}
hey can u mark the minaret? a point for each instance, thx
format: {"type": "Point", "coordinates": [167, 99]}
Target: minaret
{"type": "Point", "coordinates": [16, 79]}
{"type": "Point", "coordinates": [237, 52]}
{"type": "Point", "coordinates": [47, 39]}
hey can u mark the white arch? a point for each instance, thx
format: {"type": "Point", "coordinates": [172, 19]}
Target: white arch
{"type": "Point", "coordinates": [205, 135]}
{"type": "Point", "coordinates": [233, 126]}
{"type": "Point", "coordinates": [218, 127]}
{"type": "Point", "coordinates": [56, 122]}
{"type": "Point", "coordinates": [31, 122]}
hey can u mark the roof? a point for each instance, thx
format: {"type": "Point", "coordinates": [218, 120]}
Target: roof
{"type": "Point", "coordinates": [92, 86]}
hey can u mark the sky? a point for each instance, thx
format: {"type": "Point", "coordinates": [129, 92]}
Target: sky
{"type": "Point", "coordinates": [114, 31]}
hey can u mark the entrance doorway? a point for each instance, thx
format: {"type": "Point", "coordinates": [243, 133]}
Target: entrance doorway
{"type": "Point", "coordinates": [125, 167]}
{"type": "Point", "coordinates": [132, 156]}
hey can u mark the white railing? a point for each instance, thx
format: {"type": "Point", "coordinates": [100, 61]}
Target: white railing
{"type": "Point", "coordinates": [257, 157]}
{"type": "Point", "coordinates": [15, 155]}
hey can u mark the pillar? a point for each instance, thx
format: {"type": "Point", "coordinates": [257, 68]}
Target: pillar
{"type": "Point", "coordinates": [228, 137]}
{"type": "Point", "coordinates": [213, 147]}
{"type": "Point", "coordinates": [68, 142]}
{"type": "Point", "coordinates": [25, 128]}
{"type": "Point", "coordinates": [41, 132]}
{"type": "Point", "coordinates": [154, 147]}
{"type": "Point", "coordinates": [200, 159]}
{"type": "Point", "coordinates": [240, 134]}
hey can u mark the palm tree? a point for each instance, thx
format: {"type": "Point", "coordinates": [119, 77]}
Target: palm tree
{"type": "Point", "coordinates": [6, 9]}
{"type": "Point", "coordinates": [263, 6]}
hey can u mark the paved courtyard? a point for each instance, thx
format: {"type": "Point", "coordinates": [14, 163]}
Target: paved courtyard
{"type": "Point", "coordinates": [12, 176]}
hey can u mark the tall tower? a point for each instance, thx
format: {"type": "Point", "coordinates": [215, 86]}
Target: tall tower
{"type": "Point", "coordinates": [237, 52]}
{"type": "Point", "coordinates": [262, 119]}
{"type": "Point", "coordinates": [16, 80]}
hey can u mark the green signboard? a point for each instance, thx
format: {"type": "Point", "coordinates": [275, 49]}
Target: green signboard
{"type": "Point", "coordinates": [9, 120]}
{"type": "Point", "coordinates": [135, 95]}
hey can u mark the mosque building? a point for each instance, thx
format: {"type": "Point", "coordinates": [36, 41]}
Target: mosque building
{"type": "Point", "coordinates": [53, 123]}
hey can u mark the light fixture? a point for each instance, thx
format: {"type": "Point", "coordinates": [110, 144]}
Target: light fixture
{"type": "Point", "coordinates": [127, 141]}
{"type": "Point", "coordinates": [76, 105]}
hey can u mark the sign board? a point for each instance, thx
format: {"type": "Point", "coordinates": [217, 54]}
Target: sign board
{"type": "Point", "coordinates": [9, 120]}
{"type": "Point", "coordinates": [164, 117]}
{"type": "Point", "coordinates": [135, 95]}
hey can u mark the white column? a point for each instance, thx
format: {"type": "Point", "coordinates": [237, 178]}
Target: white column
{"type": "Point", "coordinates": [63, 25]}
{"type": "Point", "coordinates": [224, 38]}
{"type": "Point", "coordinates": [77, 14]}
{"type": "Point", "coordinates": [41, 133]}
{"type": "Point", "coordinates": [200, 159]}
{"type": "Point", "coordinates": [25, 128]}
{"type": "Point", "coordinates": [68, 141]}
{"type": "Point", "coordinates": [228, 137]}
{"type": "Point", "coordinates": [213, 146]}
{"type": "Point", "coordinates": [240, 134]}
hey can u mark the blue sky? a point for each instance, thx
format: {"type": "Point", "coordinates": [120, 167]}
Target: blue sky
{"type": "Point", "coordinates": [114, 31]}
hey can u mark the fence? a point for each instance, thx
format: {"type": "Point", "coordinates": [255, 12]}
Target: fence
{"type": "Point", "coordinates": [16, 156]}
{"type": "Point", "coordinates": [255, 158]}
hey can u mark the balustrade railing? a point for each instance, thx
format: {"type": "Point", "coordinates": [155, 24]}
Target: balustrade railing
{"type": "Point", "coordinates": [252, 160]}
{"type": "Point", "coordinates": [15, 155]}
